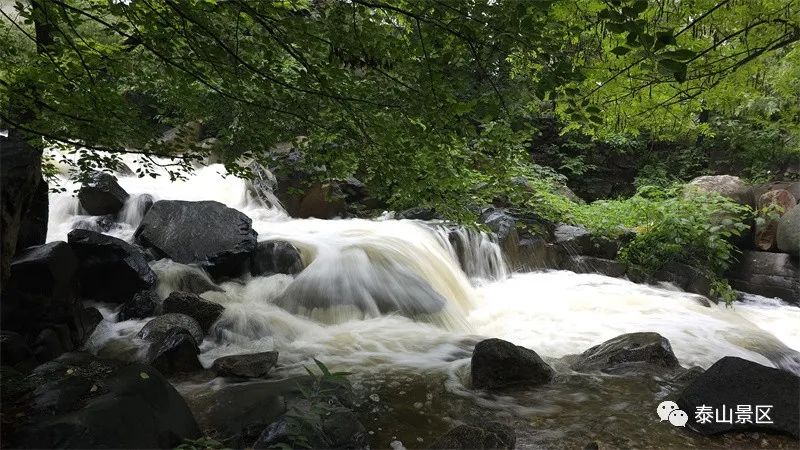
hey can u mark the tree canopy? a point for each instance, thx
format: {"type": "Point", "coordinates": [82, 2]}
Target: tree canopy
{"type": "Point", "coordinates": [428, 102]}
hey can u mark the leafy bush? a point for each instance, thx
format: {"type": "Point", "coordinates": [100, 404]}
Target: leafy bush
{"type": "Point", "coordinates": [673, 225]}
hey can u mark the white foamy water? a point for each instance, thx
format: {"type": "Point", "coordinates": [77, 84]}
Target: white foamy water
{"type": "Point", "coordinates": [332, 309]}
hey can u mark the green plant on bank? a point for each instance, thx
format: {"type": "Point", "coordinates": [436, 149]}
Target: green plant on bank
{"type": "Point", "coordinates": [320, 401]}
{"type": "Point", "coordinates": [203, 443]}
{"type": "Point", "coordinates": [674, 224]}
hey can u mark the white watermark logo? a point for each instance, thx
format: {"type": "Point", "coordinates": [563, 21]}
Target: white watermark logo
{"type": "Point", "coordinates": [669, 411]}
{"type": "Point", "coordinates": [741, 414]}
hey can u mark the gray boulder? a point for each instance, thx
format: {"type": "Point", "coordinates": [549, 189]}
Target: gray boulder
{"type": "Point", "coordinates": [81, 401]}
{"type": "Point", "coordinates": [175, 353]}
{"type": "Point", "coordinates": [734, 381]}
{"type": "Point", "coordinates": [157, 329]}
{"type": "Point", "coordinates": [207, 233]}
{"type": "Point", "coordinates": [497, 363]}
{"type": "Point", "coordinates": [726, 185]}
{"type": "Point", "coordinates": [271, 257]}
{"type": "Point", "coordinates": [767, 274]}
{"type": "Point", "coordinates": [203, 311]}
{"type": "Point", "coordinates": [254, 365]}
{"type": "Point", "coordinates": [788, 233]}
{"type": "Point", "coordinates": [109, 269]}
{"type": "Point", "coordinates": [629, 353]}
{"type": "Point", "coordinates": [101, 194]}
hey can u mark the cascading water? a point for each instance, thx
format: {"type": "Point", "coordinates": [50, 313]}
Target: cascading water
{"type": "Point", "coordinates": [446, 288]}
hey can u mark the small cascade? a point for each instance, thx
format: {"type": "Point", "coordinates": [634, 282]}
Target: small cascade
{"type": "Point", "coordinates": [477, 252]}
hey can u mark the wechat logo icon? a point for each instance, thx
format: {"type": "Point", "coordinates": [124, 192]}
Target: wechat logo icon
{"type": "Point", "coordinates": [669, 411]}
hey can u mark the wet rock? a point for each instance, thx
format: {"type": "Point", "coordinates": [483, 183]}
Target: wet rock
{"type": "Point", "coordinates": [102, 195]}
{"type": "Point", "coordinates": [767, 274]}
{"type": "Point", "coordinates": [684, 276]}
{"type": "Point", "coordinates": [338, 428]}
{"type": "Point", "coordinates": [575, 239]}
{"type": "Point", "coordinates": [203, 311]}
{"type": "Point", "coordinates": [15, 351]}
{"type": "Point", "coordinates": [579, 241]}
{"type": "Point", "coordinates": [492, 435]}
{"type": "Point", "coordinates": [207, 233]}
{"type": "Point", "coordinates": [99, 224]}
{"type": "Point", "coordinates": [143, 304]}
{"type": "Point", "coordinates": [184, 278]}
{"type": "Point", "coordinates": [255, 365]}
{"type": "Point", "coordinates": [497, 363]}
{"type": "Point", "coordinates": [46, 270]}
{"type": "Point", "coordinates": [271, 257]}
{"type": "Point", "coordinates": [110, 269]}
{"type": "Point", "coordinates": [33, 225]}
{"type": "Point", "coordinates": [419, 213]}
{"type": "Point", "coordinates": [726, 185]}
{"type": "Point", "coordinates": [175, 353]}
{"type": "Point", "coordinates": [766, 238]}
{"type": "Point", "coordinates": [629, 353]}
{"type": "Point", "coordinates": [734, 381]}
{"type": "Point", "coordinates": [20, 176]}
{"type": "Point", "coordinates": [157, 329]}
{"type": "Point", "coordinates": [590, 264]}
{"type": "Point", "coordinates": [788, 233]}
{"type": "Point", "coordinates": [81, 401]}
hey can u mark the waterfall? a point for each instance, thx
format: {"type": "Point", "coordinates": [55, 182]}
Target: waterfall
{"type": "Point", "coordinates": [413, 294]}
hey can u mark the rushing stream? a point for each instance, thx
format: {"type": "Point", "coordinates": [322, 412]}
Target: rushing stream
{"type": "Point", "coordinates": [410, 370]}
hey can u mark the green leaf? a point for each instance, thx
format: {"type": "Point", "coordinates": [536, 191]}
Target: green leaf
{"type": "Point", "coordinates": [683, 54]}
{"type": "Point", "coordinates": [639, 6]}
{"type": "Point", "coordinates": [620, 51]}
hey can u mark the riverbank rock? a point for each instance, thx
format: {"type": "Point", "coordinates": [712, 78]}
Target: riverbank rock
{"type": "Point", "coordinates": [102, 195]}
{"type": "Point", "coordinates": [629, 353]}
{"type": "Point", "coordinates": [766, 238]}
{"type": "Point", "coordinates": [143, 304]}
{"type": "Point", "coordinates": [271, 257]}
{"type": "Point", "coordinates": [726, 185]}
{"type": "Point", "coordinates": [731, 382]}
{"type": "Point", "coordinates": [81, 401]}
{"type": "Point", "coordinates": [109, 269]}
{"type": "Point", "coordinates": [205, 312]}
{"type": "Point", "coordinates": [491, 435]}
{"type": "Point", "coordinates": [157, 329]}
{"type": "Point", "coordinates": [767, 274]}
{"type": "Point", "coordinates": [788, 233]}
{"type": "Point", "coordinates": [46, 270]}
{"type": "Point", "coordinates": [33, 225]}
{"type": "Point", "coordinates": [207, 233]}
{"type": "Point", "coordinates": [419, 213]}
{"type": "Point", "coordinates": [497, 363]}
{"type": "Point", "coordinates": [254, 365]}
{"type": "Point", "coordinates": [590, 264]}
{"type": "Point", "coordinates": [175, 353]}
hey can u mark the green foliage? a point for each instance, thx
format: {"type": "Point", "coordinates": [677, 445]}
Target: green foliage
{"type": "Point", "coordinates": [675, 224]}
{"type": "Point", "coordinates": [203, 443]}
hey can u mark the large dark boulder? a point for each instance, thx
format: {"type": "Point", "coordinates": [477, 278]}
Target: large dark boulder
{"type": "Point", "coordinates": [33, 227]}
{"type": "Point", "coordinates": [207, 233]}
{"type": "Point", "coordinates": [788, 232]}
{"type": "Point", "coordinates": [15, 351]}
{"type": "Point", "coordinates": [175, 353]}
{"type": "Point", "coordinates": [203, 311]}
{"type": "Point", "coordinates": [254, 365]}
{"type": "Point", "coordinates": [81, 401]}
{"type": "Point", "coordinates": [629, 353]}
{"type": "Point", "coordinates": [143, 304]}
{"type": "Point", "coordinates": [101, 194]}
{"type": "Point", "coordinates": [767, 274]}
{"type": "Point", "coordinates": [497, 363]}
{"type": "Point", "coordinates": [156, 329]}
{"type": "Point", "coordinates": [46, 270]}
{"type": "Point", "coordinates": [271, 257]}
{"type": "Point", "coordinates": [110, 269]}
{"type": "Point", "coordinates": [20, 176]}
{"type": "Point", "coordinates": [734, 381]}
{"type": "Point", "coordinates": [490, 435]}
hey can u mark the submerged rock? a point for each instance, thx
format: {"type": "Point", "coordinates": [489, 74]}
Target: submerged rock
{"type": "Point", "coordinates": [175, 353]}
{"type": "Point", "coordinates": [81, 401]}
{"type": "Point", "coordinates": [254, 365]}
{"type": "Point", "coordinates": [143, 304]}
{"type": "Point", "coordinates": [492, 435]}
{"type": "Point", "coordinates": [207, 233]}
{"type": "Point", "coordinates": [157, 329]}
{"type": "Point", "coordinates": [271, 257]}
{"type": "Point", "coordinates": [102, 195]}
{"type": "Point", "coordinates": [629, 353]}
{"type": "Point", "coordinates": [110, 269]}
{"type": "Point", "coordinates": [336, 427]}
{"type": "Point", "coordinates": [205, 312]}
{"type": "Point", "coordinates": [497, 363]}
{"type": "Point", "coordinates": [732, 382]}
